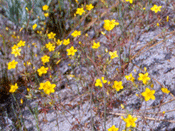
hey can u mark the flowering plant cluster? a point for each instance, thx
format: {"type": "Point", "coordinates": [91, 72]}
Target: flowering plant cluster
{"type": "Point", "coordinates": [108, 82]}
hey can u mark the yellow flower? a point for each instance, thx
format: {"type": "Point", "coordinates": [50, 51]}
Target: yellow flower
{"type": "Point", "coordinates": [12, 65]}
{"type": "Point", "coordinates": [167, 18]}
{"type": "Point", "coordinates": [47, 87]}
{"type": "Point", "coordinates": [28, 89]}
{"type": "Point", "coordinates": [156, 8]}
{"type": "Point", "coordinates": [21, 43]}
{"type": "Point", "coordinates": [117, 85]}
{"type": "Point", "coordinates": [58, 62]}
{"type": "Point", "coordinates": [13, 88]}
{"type": "Point", "coordinates": [98, 83]}
{"type": "Point", "coordinates": [46, 14]}
{"type": "Point", "coordinates": [113, 54]}
{"type": "Point", "coordinates": [103, 80]}
{"type": "Point", "coordinates": [13, 36]}
{"type": "Point", "coordinates": [165, 90]}
{"type": "Point", "coordinates": [80, 11]}
{"type": "Point", "coordinates": [16, 52]}
{"type": "Point", "coordinates": [103, 33]}
{"type": "Point", "coordinates": [106, 50]}
{"type": "Point", "coordinates": [89, 7]}
{"type": "Point", "coordinates": [28, 63]}
{"type": "Point", "coordinates": [109, 25]}
{"type": "Point", "coordinates": [130, 1]}
{"type": "Point", "coordinates": [130, 121]}
{"type": "Point", "coordinates": [96, 45]}
{"type": "Point", "coordinates": [76, 33]}
{"type": "Point", "coordinates": [144, 77]}
{"type": "Point", "coordinates": [71, 51]}
{"type": "Point", "coordinates": [51, 35]}
{"type": "Point", "coordinates": [59, 42]}
{"type": "Point", "coordinates": [34, 26]}
{"type": "Point", "coordinates": [50, 47]}
{"type": "Point", "coordinates": [72, 75]}
{"type": "Point", "coordinates": [148, 94]}
{"type": "Point", "coordinates": [14, 47]}
{"type": "Point", "coordinates": [45, 59]}
{"type": "Point", "coordinates": [77, 1]}
{"type": "Point", "coordinates": [113, 128]}
{"type": "Point", "coordinates": [42, 70]}
{"type": "Point", "coordinates": [33, 43]}
{"type": "Point", "coordinates": [42, 86]}
{"type": "Point", "coordinates": [152, 85]}
{"type": "Point", "coordinates": [122, 106]}
{"type": "Point", "coordinates": [66, 42]}
{"type": "Point", "coordinates": [27, 9]}
{"type": "Point", "coordinates": [21, 101]}
{"type": "Point", "coordinates": [158, 24]}
{"type": "Point", "coordinates": [45, 7]}
{"type": "Point", "coordinates": [130, 77]}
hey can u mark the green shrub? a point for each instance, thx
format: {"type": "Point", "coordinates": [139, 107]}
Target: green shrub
{"type": "Point", "coordinates": [16, 11]}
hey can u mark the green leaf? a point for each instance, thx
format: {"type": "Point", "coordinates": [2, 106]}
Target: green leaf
{"type": "Point", "coordinates": [49, 1]}
{"type": "Point", "coordinates": [33, 22]}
